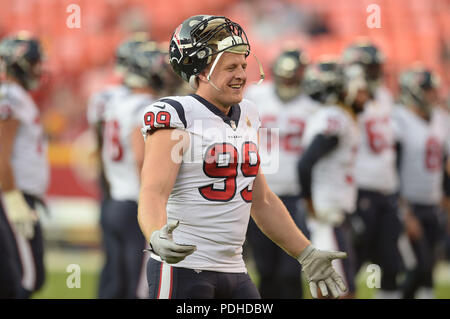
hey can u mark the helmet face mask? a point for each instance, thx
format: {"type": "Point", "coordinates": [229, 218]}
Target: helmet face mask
{"type": "Point", "coordinates": [125, 50]}
{"type": "Point", "coordinates": [145, 67]}
{"type": "Point", "coordinates": [355, 88]}
{"type": "Point", "coordinates": [323, 82]}
{"type": "Point", "coordinates": [199, 38]}
{"type": "Point", "coordinates": [419, 88]}
{"type": "Point", "coordinates": [288, 70]}
{"type": "Point", "coordinates": [370, 58]}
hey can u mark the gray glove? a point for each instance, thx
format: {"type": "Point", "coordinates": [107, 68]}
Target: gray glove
{"type": "Point", "coordinates": [162, 244]}
{"type": "Point", "coordinates": [19, 213]}
{"type": "Point", "coordinates": [316, 265]}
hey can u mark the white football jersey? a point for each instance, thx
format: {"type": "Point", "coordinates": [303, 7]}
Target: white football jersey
{"type": "Point", "coordinates": [29, 157]}
{"type": "Point", "coordinates": [375, 167]}
{"type": "Point", "coordinates": [333, 187]}
{"type": "Point", "coordinates": [122, 115]}
{"type": "Point", "coordinates": [285, 124]}
{"type": "Point", "coordinates": [212, 194]}
{"type": "Point", "coordinates": [98, 101]}
{"type": "Point", "coordinates": [423, 144]}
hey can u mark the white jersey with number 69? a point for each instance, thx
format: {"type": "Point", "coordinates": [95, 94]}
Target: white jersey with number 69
{"type": "Point", "coordinates": [375, 168]}
{"type": "Point", "coordinates": [122, 115]}
{"type": "Point", "coordinates": [422, 153]}
{"type": "Point", "coordinates": [29, 155]}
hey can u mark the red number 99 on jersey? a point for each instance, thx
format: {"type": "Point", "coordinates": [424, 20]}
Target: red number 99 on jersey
{"type": "Point", "coordinates": [162, 118]}
{"type": "Point", "coordinates": [221, 161]}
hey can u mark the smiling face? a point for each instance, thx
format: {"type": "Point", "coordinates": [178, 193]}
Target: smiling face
{"type": "Point", "coordinates": [229, 76]}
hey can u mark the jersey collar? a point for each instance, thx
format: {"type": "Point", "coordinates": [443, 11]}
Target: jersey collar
{"type": "Point", "coordinates": [232, 117]}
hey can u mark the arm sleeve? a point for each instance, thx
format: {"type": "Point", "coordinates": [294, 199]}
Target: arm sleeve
{"type": "Point", "coordinates": [319, 147]}
{"type": "Point", "coordinates": [164, 113]}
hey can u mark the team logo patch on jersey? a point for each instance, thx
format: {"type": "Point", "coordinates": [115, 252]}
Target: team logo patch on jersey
{"type": "Point", "coordinates": [249, 124]}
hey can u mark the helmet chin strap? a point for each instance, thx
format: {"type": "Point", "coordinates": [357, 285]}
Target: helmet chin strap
{"type": "Point", "coordinates": [212, 69]}
{"type": "Point", "coordinates": [261, 70]}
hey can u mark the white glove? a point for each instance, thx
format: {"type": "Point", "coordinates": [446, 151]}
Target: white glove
{"type": "Point", "coordinates": [19, 213]}
{"type": "Point", "coordinates": [162, 244]}
{"type": "Point", "coordinates": [316, 265]}
{"type": "Point", "coordinates": [329, 215]}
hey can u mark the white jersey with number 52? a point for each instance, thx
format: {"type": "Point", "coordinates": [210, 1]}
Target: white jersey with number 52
{"type": "Point", "coordinates": [283, 125]}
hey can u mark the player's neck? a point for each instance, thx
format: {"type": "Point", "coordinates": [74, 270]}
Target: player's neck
{"type": "Point", "coordinates": [225, 109]}
{"type": "Point", "coordinates": [420, 113]}
{"type": "Point", "coordinates": [143, 90]}
{"type": "Point", "coordinates": [11, 80]}
{"type": "Point", "coordinates": [349, 110]}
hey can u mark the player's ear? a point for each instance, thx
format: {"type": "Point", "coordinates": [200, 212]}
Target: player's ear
{"type": "Point", "coordinates": [203, 76]}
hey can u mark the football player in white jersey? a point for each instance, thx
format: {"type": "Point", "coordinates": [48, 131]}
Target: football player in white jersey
{"type": "Point", "coordinates": [201, 178]}
{"type": "Point", "coordinates": [24, 171]}
{"type": "Point", "coordinates": [376, 221]}
{"type": "Point", "coordinates": [422, 132]}
{"type": "Point", "coordinates": [282, 106]}
{"type": "Point", "coordinates": [326, 168]}
{"type": "Point", "coordinates": [122, 156]}
{"type": "Point", "coordinates": [96, 107]}
{"type": "Point", "coordinates": [98, 101]}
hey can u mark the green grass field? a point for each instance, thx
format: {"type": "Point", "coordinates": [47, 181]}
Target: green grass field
{"type": "Point", "coordinates": [90, 262]}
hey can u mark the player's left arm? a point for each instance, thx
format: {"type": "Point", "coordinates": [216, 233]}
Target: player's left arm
{"type": "Point", "coordinates": [274, 220]}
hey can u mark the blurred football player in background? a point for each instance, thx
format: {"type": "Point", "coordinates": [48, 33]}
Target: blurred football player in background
{"type": "Point", "coordinates": [283, 106]}
{"type": "Point", "coordinates": [122, 155]}
{"type": "Point", "coordinates": [201, 179]}
{"type": "Point", "coordinates": [174, 85]}
{"type": "Point", "coordinates": [326, 168]}
{"type": "Point", "coordinates": [98, 101]}
{"type": "Point", "coordinates": [24, 171]}
{"type": "Point", "coordinates": [422, 131]}
{"type": "Point", "coordinates": [95, 117]}
{"type": "Point", "coordinates": [376, 223]}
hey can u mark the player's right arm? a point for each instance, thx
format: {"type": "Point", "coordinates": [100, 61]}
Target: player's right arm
{"type": "Point", "coordinates": [165, 141]}
{"type": "Point", "coordinates": [8, 129]}
{"type": "Point", "coordinates": [158, 175]}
